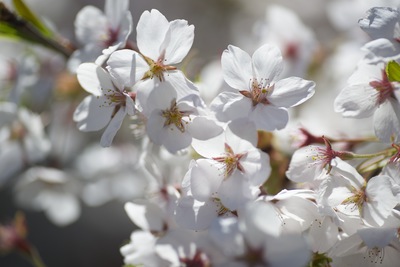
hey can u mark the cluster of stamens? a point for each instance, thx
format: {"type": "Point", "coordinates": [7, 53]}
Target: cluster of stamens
{"type": "Point", "coordinates": [116, 99]}
{"type": "Point", "coordinates": [157, 68]}
{"type": "Point", "coordinates": [174, 116]}
{"type": "Point", "coordinates": [259, 90]}
{"type": "Point", "coordinates": [325, 155]}
{"type": "Point", "coordinates": [357, 199]}
{"type": "Point", "coordinates": [376, 255]}
{"type": "Point", "coordinates": [231, 161]}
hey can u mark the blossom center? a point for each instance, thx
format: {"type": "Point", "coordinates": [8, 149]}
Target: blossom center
{"type": "Point", "coordinates": [116, 99]}
{"type": "Point", "coordinates": [111, 37]}
{"type": "Point", "coordinates": [199, 260]}
{"type": "Point", "coordinates": [157, 68]}
{"type": "Point", "coordinates": [357, 199]}
{"type": "Point", "coordinates": [259, 90]}
{"type": "Point", "coordinates": [231, 161]}
{"type": "Point", "coordinates": [384, 88]}
{"type": "Point", "coordinates": [18, 131]}
{"type": "Point", "coordinates": [174, 116]}
{"type": "Point", "coordinates": [325, 155]}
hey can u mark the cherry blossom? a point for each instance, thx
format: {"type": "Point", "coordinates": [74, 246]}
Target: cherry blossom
{"type": "Point", "coordinates": [51, 191]}
{"type": "Point", "coordinates": [101, 33]}
{"type": "Point", "coordinates": [161, 44]}
{"type": "Point", "coordinates": [107, 106]}
{"type": "Point", "coordinates": [351, 194]}
{"type": "Point", "coordinates": [172, 122]}
{"type": "Point", "coordinates": [23, 140]}
{"type": "Point", "coordinates": [233, 169]}
{"type": "Point", "coordinates": [261, 96]}
{"type": "Point", "coordinates": [370, 93]}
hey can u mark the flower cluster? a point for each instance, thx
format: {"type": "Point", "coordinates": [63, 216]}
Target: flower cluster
{"type": "Point", "coordinates": [207, 176]}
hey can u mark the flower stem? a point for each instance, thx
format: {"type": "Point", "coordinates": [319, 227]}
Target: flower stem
{"type": "Point", "coordinates": [35, 258]}
{"type": "Point", "coordinates": [30, 33]}
{"type": "Point", "coordinates": [387, 153]}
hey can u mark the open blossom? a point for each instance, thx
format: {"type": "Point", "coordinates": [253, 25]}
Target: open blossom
{"type": "Point", "coordinates": [261, 96]}
{"type": "Point", "coordinates": [22, 140]}
{"type": "Point", "coordinates": [370, 93]}
{"type": "Point", "coordinates": [107, 105]}
{"type": "Point", "coordinates": [350, 193]}
{"type": "Point", "coordinates": [51, 191]}
{"type": "Point", "coordinates": [233, 168]}
{"type": "Point", "coordinates": [310, 162]}
{"type": "Point", "coordinates": [101, 33]}
{"type": "Point", "coordinates": [161, 44]}
{"type": "Point", "coordinates": [172, 122]}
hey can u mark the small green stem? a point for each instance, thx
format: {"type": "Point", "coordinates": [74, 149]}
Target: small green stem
{"type": "Point", "coordinates": [356, 140]}
{"type": "Point", "coordinates": [387, 152]}
{"type": "Point", "coordinates": [35, 259]}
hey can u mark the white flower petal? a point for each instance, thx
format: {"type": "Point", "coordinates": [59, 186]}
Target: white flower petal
{"type": "Point", "coordinates": [229, 106]}
{"type": "Point", "coordinates": [268, 117]}
{"type": "Point", "coordinates": [90, 25]}
{"type": "Point", "coordinates": [286, 250]}
{"type": "Point", "coordinates": [260, 222]}
{"type": "Point", "coordinates": [195, 215]}
{"type": "Point", "coordinates": [112, 128]}
{"type": "Point", "coordinates": [210, 148]}
{"type": "Point", "coordinates": [257, 167]}
{"type": "Point", "coordinates": [226, 235]}
{"type": "Point", "coordinates": [237, 68]}
{"type": "Point", "coordinates": [88, 77]}
{"type": "Point", "coordinates": [175, 140]}
{"type": "Point", "coordinates": [303, 166]}
{"type": "Point", "coordinates": [387, 121]}
{"type": "Point", "coordinates": [61, 208]}
{"type": "Point", "coordinates": [377, 237]}
{"type": "Point", "coordinates": [198, 125]}
{"type": "Point", "coordinates": [380, 198]}
{"type": "Point", "coordinates": [122, 64]}
{"type": "Point", "coordinates": [115, 11]}
{"type": "Point", "coordinates": [235, 191]}
{"type": "Point", "coordinates": [291, 92]}
{"type": "Point", "coordinates": [181, 84]}
{"type": "Point", "coordinates": [146, 215]}
{"type": "Point", "coordinates": [151, 30]}
{"type": "Point", "coordinates": [356, 101]}
{"type": "Point", "coordinates": [90, 115]}
{"type": "Point", "coordinates": [239, 130]}
{"type": "Point", "coordinates": [178, 41]}
{"type": "Point", "coordinates": [267, 61]}
{"type": "Point", "coordinates": [206, 178]}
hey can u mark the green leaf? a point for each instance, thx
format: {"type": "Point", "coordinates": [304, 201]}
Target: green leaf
{"type": "Point", "coordinates": [26, 13]}
{"type": "Point", "coordinates": [393, 71]}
